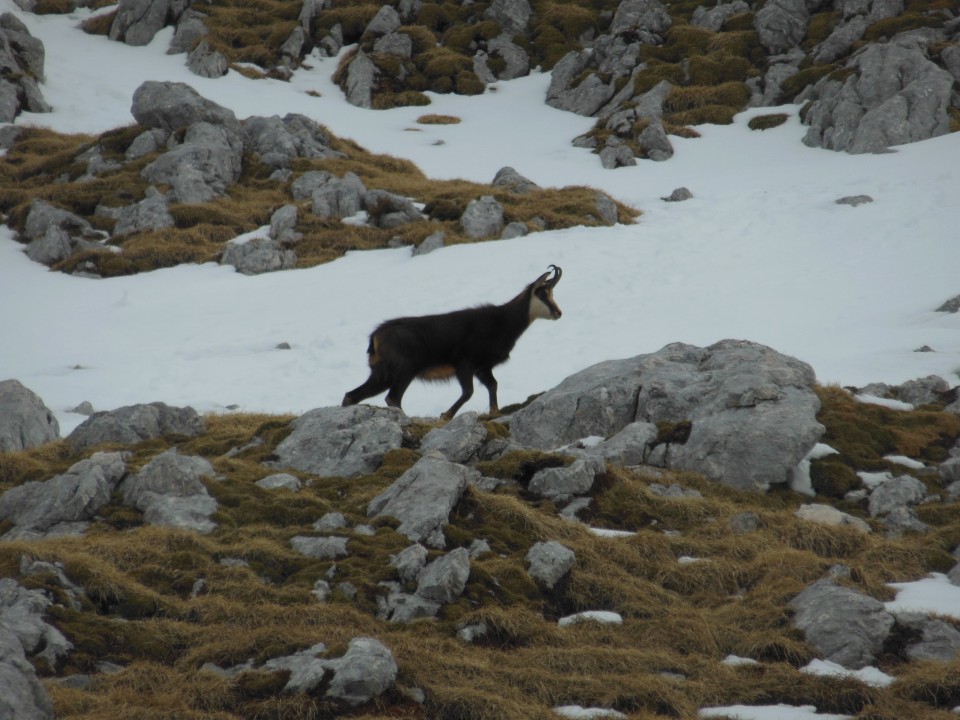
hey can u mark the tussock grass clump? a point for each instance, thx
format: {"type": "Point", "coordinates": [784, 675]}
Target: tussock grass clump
{"type": "Point", "coordinates": [766, 122]}
{"type": "Point", "coordinates": [434, 119]}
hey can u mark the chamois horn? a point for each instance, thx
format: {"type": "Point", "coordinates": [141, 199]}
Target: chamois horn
{"type": "Point", "coordinates": [548, 282]}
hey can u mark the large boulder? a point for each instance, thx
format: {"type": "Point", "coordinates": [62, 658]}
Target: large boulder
{"type": "Point", "coordinates": [341, 442]}
{"type": "Point", "coordinates": [894, 95]}
{"type": "Point", "coordinates": [136, 423]}
{"type": "Point", "coordinates": [846, 626]}
{"type": "Point", "coordinates": [174, 106]}
{"type": "Point", "coordinates": [549, 562]}
{"type": "Point", "coordinates": [25, 421]}
{"type": "Point", "coordinates": [738, 412]}
{"type": "Point", "coordinates": [422, 498]}
{"type": "Point", "coordinates": [782, 24]}
{"type": "Point", "coordinates": [65, 503]}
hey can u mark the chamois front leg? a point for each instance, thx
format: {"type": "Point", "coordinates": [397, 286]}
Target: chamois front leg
{"type": "Point", "coordinates": [465, 378]}
{"type": "Point", "coordinates": [490, 382]}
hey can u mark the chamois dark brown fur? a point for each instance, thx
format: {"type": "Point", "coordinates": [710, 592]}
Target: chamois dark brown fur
{"type": "Point", "coordinates": [461, 344]}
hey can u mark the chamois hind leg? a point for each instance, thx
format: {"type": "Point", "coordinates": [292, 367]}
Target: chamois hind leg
{"type": "Point", "coordinates": [374, 385]}
{"type": "Point", "coordinates": [465, 378]}
{"type": "Point", "coordinates": [397, 389]}
{"type": "Point", "coordinates": [486, 377]}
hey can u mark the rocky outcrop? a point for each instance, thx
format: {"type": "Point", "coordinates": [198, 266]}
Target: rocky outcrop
{"type": "Point", "coordinates": [422, 498]}
{"type": "Point", "coordinates": [136, 423]}
{"type": "Point", "coordinates": [25, 421]}
{"type": "Point", "coordinates": [738, 412]}
{"type": "Point", "coordinates": [22, 58]}
{"type": "Point", "coordinates": [341, 442]}
{"type": "Point", "coordinates": [892, 94]}
{"type": "Point", "coordinates": [65, 504]}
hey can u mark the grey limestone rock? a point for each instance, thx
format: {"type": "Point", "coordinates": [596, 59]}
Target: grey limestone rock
{"type": "Point", "coordinates": [752, 411]}
{"type": "Point", "coordinates": [22, 59]}
{"type": "Point", "coordinates": [365, 671]}
{"type": "Point", "coordinates": [361, 76]}
{"type": "Point", "coordinates": [388, 210]}
{"type": "Point", "coordinates": [422, 498]}
{"type": "Point", "coordinates": [714, 18]}
{"type": "Point", "coordinates": [280, 481]}
{"type": "Point", "coordinates": [258, 255]}
{"type": "Point", "coordinates": [896, 95]}
{"type": "Point", "coordinates": [847, 627]}
{"type": "Point", "coordinates": [201, 168]}
{"type": "Point", "coordinates": [510, 179]}
{"type": "Point", "coordinates": [922, 391]}
{"type": "Point", "coordinates": [394, 43]}
{"type": "Point", "coordinates": [432, 242]}
{"type": "Point", "coordinates": [939, 640]}
{"type": "Point", "coordinates": [782, 24]}
{"type": "Point", "coordinates": [54, 234]}
{"type": "Point", "coordinates": [277, 141]}
{"type": "Point", "coordinates": [516, 61]}
{"type": "Point", "coordinates": [149, 141]}
{"type": "Point", "coordinates": [460, 440]}
{"type": "Point", "coordinates": [173, 106]}
{"type": "Point", "coordinates": [151, 213]}
{"type": "Point", "coordinates": [169, 491]}
{"type": "Point", "coordinates": [443, 580]}
{"type": "Point", "coordinates": [137, 21]}
{"type": "Point", "coordinates": [136, 423]}
{"type": "Point", "coordinates": [549, 562]}
{"type": "Point", "coordinates": [38, 508]}
{"type": "Point", "coordinates": [283, 224]}
{"type": "Point", "coordinates": [627, 447]}
{"type": "Point", "coordinates": [854, 200]}
{"type": "Point", "coordinates": [191, 28]}
{"type": "Point", "coordinates": [897, 492]}
{"type": "Point", "coordinates": [409, 562]}
{"type": "Point", "coordinates": [321, 548]}
{"type": "Point", "coordinates": [341, 442]}
{"type": "Point", "coordinates": [483, 218]}
{"type": "Point", "coordinates": [678, 195]}
{"type": "Point", "coordinates": [829, 515]}
{"type": "Point", "coordinates": [641, 15]}
{"type": "Point", "coordinates": [575, 479]}
{"type": "Point", "coordinates": [25, 421]}
{"type": "Point", "coordinates": [206, 61]}
{"type": "Point", "coordinates": [337, 197]}
{"type": "Point", "coordinates": [386, 21]}
{"type": "Point", "coordinates": [22, 633]}
{"type": "Point", "coordinates": [513, 15]}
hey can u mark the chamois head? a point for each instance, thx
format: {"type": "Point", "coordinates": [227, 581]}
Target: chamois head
{"type": "Point", "coordinates": [542, 304]}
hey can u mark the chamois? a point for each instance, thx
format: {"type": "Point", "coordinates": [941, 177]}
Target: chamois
{"type": "Point", "coordinates": [457, 344]}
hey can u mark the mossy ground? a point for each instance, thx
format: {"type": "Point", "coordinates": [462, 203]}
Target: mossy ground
{"type": "Point", "coordinates": [144, 612]}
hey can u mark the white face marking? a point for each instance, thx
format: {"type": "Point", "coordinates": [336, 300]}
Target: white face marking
{"type": "Point", "coordinates": [540, 309]}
